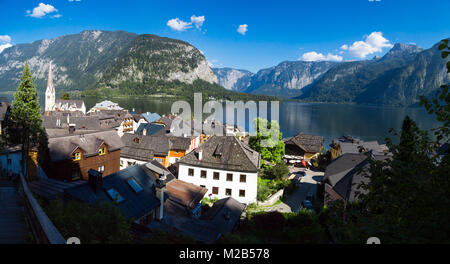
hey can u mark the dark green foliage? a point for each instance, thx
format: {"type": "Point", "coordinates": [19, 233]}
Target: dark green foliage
{"type": "Point", "coordinates": [278, 172]}
{"type": "Point", "coordinates": [279, 228]}
{"type": "Point", "coordinates": [271, 149]}
{"type": "Point", "coordinates": [65, 96]}
{"type": "Point", "coordinates": [26, 115]}
{"type": "Point", "coordinates": [102, 224]}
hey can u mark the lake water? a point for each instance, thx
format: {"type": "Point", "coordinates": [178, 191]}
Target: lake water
{"type": "Point", "coordinates": [329, 120]}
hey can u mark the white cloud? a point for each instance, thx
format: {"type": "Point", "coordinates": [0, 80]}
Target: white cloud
{"type": "Point", "coordinates": [5, 38]}
{"type": "Point", "coordinates": [41, 10]}
{"type": "Point", "coordinates": [344, 47]}
{"type": "Point", "coordinates": [74, 0]}
{"type": "Point", "coordinates": [180, 25]}
{"type": "Point", "coordinates": [4, 46]}
{"type": "Point", "coordinates": [373, 43]}
{"type": "Point", "coordinates": [197, 21]}
{"type": "Point", "coordinates": [314, 56]}
{"type": "Point", "coordinates": [242, 29]}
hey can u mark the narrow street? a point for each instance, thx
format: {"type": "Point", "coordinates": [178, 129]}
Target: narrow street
{"type": "Point", "coordinates": [307, 184]}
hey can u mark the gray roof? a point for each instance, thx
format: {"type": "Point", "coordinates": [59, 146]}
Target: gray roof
{"type": "Point", "coordinates": [61, 148]}
{"type": "Point", "coordinates": [81, 122]}
{"type": "Point", "coordinates": [147, 147]}
{"type": "Point", "coordinates": [224, 214]}
{"type": "Point", "coordinates": [224, 152]}
{"type": "Point", "coordinates": [308, 143]}
{"type": "Point", "coordinates": [52, 188]}
{"type": "Point", "coordinates": [135, 205]}
{"type": "Point", "coordinates": [347, 172]}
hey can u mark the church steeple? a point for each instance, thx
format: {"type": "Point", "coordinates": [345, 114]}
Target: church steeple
{"type": "Point", "coordinates": [50, 92]}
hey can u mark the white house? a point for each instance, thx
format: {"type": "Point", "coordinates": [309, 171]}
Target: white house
{"type": "Point", "coordinates": [225, 166]}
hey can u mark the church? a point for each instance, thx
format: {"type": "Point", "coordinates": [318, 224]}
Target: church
{"type": "Point", "coordinates": [59, 105]}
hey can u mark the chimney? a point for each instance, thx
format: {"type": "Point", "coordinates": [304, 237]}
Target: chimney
{"type": "Point", "coordinates": [144, 132]}
{"type": "Point", "coordinates": [200, 154]}
{"type": "Point", "coordinates": [71, 128]}
{"type": "Point", "coordinates": [160, 188]}
{"type": "Point", "coordinates": [95, 180]}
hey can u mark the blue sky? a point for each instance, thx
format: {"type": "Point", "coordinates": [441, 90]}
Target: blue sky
{"type": "Point", "coordinates": [275, 31]}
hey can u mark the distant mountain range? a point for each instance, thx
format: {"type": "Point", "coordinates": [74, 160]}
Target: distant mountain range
{"type": "Point", "coordinates": [114, 63]}
{"type": "Point", "coordinates": [398, 78]}
{"type": "Point", "coordinates": [105, 63]}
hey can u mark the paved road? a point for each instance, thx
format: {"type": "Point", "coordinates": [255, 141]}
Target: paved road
{"type": "Point", "coordinates": [307, 185]}
{"type": "Point", "coordinates": [13, 229]}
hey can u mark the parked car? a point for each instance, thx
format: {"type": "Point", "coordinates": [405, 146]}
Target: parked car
{"type": "Point", "coordinates": [307, 204]}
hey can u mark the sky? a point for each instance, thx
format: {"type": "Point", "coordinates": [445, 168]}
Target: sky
{"type": "Point", "coordinates": [249, 35]}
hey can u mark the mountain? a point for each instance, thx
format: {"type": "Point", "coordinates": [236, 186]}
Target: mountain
{"type": "Point", "coordinates": [288, 78]}
{"type": "Point", "coordinates": [398, 78]}
{"type": "Point", "coordinates": [233, 79]}
{"type": "Point", "coordinates": [105, 59]}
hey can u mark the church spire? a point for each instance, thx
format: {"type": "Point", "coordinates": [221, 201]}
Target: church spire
{"type": "Point", "coordinates": [50, 92]}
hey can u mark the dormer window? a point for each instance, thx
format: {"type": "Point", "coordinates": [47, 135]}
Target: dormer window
{"type": "Point", "coordinates": [102, 151]}
{"type": "Point", "coordinates": [76, 156]}
{"type": "Point", "coordinates": [136, 140]}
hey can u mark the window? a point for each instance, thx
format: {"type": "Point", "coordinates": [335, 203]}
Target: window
{"type": "Point", "coordinates": [203, 174]}
{"type": "Point", "coordinates": [243, 178]}
{"type": "Point", "coordinates": [228, 192]}
{"type": "Point", "coordinates": [101, 168]}
{"type": "Point", "coordinates": [136, 140]}
{"type": "Point", "coordinates": [134, 185]}
{"type": "Point", "coordinates": [203, 186]}
{"type": "Point", "coordinates": [76, 156]}
{"type": "Point", "coordinates": [241, 193]}
{"type": "Point", "coordinates": [215, 190]}
{"type": "Point", "coordinates": [160, 160]}
{"type": "Point", "coordinates": [191, 172]}
{"type": "Point", "coordinates": [121, 163]}
{"type": "Point", "coordinates": [229, 177]}
{"type": "Point", "coordinates": [216, 175]}
{"type": "Point", "coordinates": [115, 195]}
{"type": "Point", "coordinates": [102, 151]}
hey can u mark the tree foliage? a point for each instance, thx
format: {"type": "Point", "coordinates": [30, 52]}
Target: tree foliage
{"type": "Point", "coordinates": [65, 96]}
{"type": "Point", "coordinates": [271, 147]}
{"type": "Point", "coordinates": [102, 224]}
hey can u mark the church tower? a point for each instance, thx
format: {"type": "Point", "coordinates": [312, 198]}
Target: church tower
{"type": "Point", "coordinates": [50, 92]}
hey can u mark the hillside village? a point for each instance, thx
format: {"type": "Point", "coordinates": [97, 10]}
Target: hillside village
{"type": "Point", "coordinates": [201, 186]}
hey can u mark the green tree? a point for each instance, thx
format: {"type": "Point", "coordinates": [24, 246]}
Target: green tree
{"type": "Point", "coordinates": [26, 113]}
{"type": "Point", "coordinates": [65, 96]}
{"type": "Point", "coordinates": [268, 140]}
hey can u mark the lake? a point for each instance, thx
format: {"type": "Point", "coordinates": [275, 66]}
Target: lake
{"type": "Point", "coordinates": [328, 120]}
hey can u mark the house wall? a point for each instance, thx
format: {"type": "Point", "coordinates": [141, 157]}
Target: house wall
{"type": "Point", "coordinates": [250, 186]}
{"type": "Point", "coordinates": [63, 170]}
{"type": "Point", "coordinates": [14, 165]}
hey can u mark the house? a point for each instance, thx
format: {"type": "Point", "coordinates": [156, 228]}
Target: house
{"type": "Point", "coordinates": [345, 173]}
{"type": "Point", "coordinates": [140, 149]}
{"type": "Point", "coordinates": [347, 144]}
{"type": "Point", "coordinates": [225, 166]}
{"type": "Point", "coordinates": [128, 125]}
{"type": "Point", "coordinates": [105, 106]}
{"type": "Point", "coordinates": [139, 197]}
{"type": "Point", "coordinates": [11, 159]}
{"type": "Point", "coordinates": [185, 197]}
{"type": "Point", "coordinates": [73, 155]}
{"type": "Point", "coordinates": [303, 146]}
{"type": "Point", "coordinates": [150, 117]}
